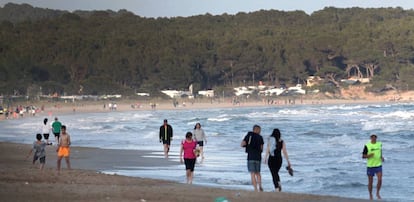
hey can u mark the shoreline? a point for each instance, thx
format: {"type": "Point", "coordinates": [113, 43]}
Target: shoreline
{"type": "Point", "coordinates": [350, 95]}
{"type": "Point", "coordinates": [21, 181]}
{"type": "Point", "coordinates": [86, 182]}
{"type": "Point", "coordinates": [51, 109]}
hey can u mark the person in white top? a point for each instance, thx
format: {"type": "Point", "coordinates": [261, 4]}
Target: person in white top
{"type": "Point", "coordinates": [275, 147]}
{"type": "Point", "coordinates": [200, 138]}
{"type": "Point", "coordinates": [45, 130]}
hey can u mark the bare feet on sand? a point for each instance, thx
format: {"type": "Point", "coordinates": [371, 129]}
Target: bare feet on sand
{"type": "Point", "coordinates": [378, 196]}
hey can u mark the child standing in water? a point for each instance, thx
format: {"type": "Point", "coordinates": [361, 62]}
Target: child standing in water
{"type": "Point", "coordinates": [39, 151]}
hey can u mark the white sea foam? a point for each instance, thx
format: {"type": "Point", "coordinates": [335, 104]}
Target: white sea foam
{"type": "Point", "coordinates": [346, 107]}
{"type": "Point", "coordinates": [223, 119]}
{"type": "Point", "coordinates": [324, 143]}
{"type": "Point", "coordinates": [295, 112]}
{"type": "Point", "coordinates": [399, 115]}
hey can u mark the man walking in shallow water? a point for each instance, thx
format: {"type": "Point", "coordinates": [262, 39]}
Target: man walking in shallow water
{"type": "Point", "coordinates": [253, 142]}
{"type": "Point", "coordinates": [373, 153]}
{"type": "Point", "coordinates": [166, 135]}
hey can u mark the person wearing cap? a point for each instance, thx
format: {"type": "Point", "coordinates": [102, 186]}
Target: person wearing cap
{"type": "Point", "coordinates": [373, 153]}
{"type": "Point", "coordinates": [166, 135]}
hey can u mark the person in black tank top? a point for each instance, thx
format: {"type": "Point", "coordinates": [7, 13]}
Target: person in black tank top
{"type": "Point", "coordinates": [275, 147]}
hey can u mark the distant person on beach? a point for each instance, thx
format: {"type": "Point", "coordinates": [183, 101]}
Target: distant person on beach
{"type": "Point", "coordinates": [253, 142]}
{"type": "Point", "coordinates": [188, 147]}
{"type": "Point", "coordinates": [273, 158]}
{"type": "Point", "coordinates": [39, 150]}
{"type": "Point", "coordinates": [56, 125]}
{"type": "Point", "coordinates": [166, 135]}
{"type": "Point", "coordinates": [46, 130]}
{"type": "Point", "coordinates": [6, 114]}
{"type": "Point", "coordinates": [63, 149]}
{"type": "Point", "coordinates": [373, 153]}
{"type": "Point", "coordinates": [200, 138]}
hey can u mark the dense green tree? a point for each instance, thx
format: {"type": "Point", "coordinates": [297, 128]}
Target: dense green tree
{"type": "Point", "coordinates": [105, 52]}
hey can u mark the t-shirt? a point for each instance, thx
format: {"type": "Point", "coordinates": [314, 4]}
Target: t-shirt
{"type": "Point", "coordinates": [56, 126]}
{"type": "Point", "coordinates": [199, 134]}
{"type": "Point", "coordinates": [45, 129]}
{"type": "Point", "coordinates": [254, 143]}
{"type": "Point", "coordinates": [39, 149]}
{"type": "Point", "coordinates": [188, 148]}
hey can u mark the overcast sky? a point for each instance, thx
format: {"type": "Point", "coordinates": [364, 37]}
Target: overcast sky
{"type": "Point", "coordinates": [184, 8]}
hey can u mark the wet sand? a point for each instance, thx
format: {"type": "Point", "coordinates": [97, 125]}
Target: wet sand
{"type": "Point", "coordinates": [22, 181]}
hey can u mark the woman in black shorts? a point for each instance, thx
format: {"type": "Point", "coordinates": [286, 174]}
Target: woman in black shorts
{"type": "Point", "coordinates": [188, 147]}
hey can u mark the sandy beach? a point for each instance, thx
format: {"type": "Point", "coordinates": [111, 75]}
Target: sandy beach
{"type": "Point", "coordinates": [21, 181]}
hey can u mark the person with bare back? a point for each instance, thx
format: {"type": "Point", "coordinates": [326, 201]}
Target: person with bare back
{"type": "Point", "coordinates": [63, 149]}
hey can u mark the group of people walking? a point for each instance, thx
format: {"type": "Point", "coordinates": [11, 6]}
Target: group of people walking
{"type": "Point", "coordinates": [254, 145]}
{"type": "Point", "coordinates": [62, 139]}
{"type": "Point", "coordinates": [55, 128]}
{"type": "Point", "coordinates": [191, 147]}
{"type": "Point", "coordinates": [275, 151]}
{"type": "Point", "coordinates": [253, 142]}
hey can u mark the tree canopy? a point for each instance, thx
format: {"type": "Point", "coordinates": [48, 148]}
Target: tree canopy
{"type": "Point", "coordinates": [105, 52]}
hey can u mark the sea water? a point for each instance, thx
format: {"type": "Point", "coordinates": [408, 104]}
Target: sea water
{"type": "Point", "coordinates": [324, 143]}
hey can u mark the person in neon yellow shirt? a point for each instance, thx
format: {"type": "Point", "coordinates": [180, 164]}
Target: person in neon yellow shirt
{"type": "Point", "coordinates": [373, 153]}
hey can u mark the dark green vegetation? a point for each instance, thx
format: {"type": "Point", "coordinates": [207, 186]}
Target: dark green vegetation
{"type": "Point", "coordinates": [107, 52]}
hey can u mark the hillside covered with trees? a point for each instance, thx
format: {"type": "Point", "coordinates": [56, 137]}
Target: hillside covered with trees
{"type": "Point", "coordinates": [107, 52]}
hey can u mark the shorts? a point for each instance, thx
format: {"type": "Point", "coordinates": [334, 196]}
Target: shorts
{"type": "Point", "coordinates": [253, 166]}
{"type": "Point", "coordinates": [371, 171]}
{"type": "Point", "coordinates": [41, 159]}
{"type": "Point", "coordinates": [200, 143]}
{"type": "Point", "coordinates": [46, 136]}
{"type": "Point", "coordinates": [189, 164]}
{"type": "Point", "coordinates": [57, 135]}
{"type": "Point", "coordinates": [168, 142]}
{"type": "Point", "coordinates": [64, 151]}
